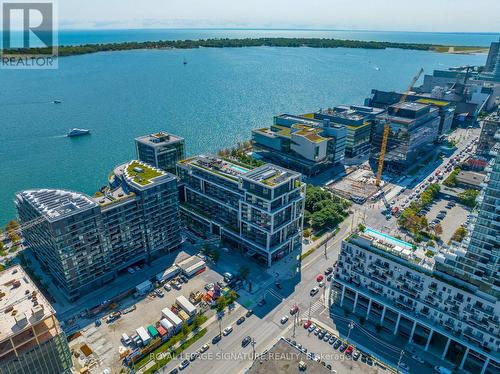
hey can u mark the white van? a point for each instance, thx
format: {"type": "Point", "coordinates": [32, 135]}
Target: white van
{"type": "Point", "coordinates": [125, 339]}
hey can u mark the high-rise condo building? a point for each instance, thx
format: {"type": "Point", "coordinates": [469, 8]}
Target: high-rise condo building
{"type": "Point", "coordinates": [84, 241]}
{"type": "Point", "coordinates": [161, 150]}
{"type": "Point", "coordinates": [490, 125]}
{"type": "Point", "coordinates": [257, 210]}
{"type": "Point", "coordinates": [31, 340]}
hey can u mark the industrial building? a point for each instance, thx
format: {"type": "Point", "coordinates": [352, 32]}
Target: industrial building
{"type": "Point", "coordinates": [161, 150]}
{"type": "Point", "coordinates": [413, 127]}
{"type": "Point", "coordinates": [31, 339]}
{"type": "Point", "coordinates": [302, 144]}
{"type": "Point", "coordinates": [392, 285]}
{"type": "Point", "coordinates": [256, 210]}
{"type": "Point", "coordinates": [358, 121]}
{"type": "Point", "coordinates": [85, 241]}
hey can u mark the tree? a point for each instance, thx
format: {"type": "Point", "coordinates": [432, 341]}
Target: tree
{"type": "Point", "coordinates": [184, 330]}
{"type": "Point", "coordinates": [11, 225]}
{"type": "Point", "coordinates": [220, 303]}
{"type": "Point", "coordinates": [197, 321]}
{"type": "Point", "coordinates": [468, 198]}
{"type": "Point", "coordinates": [438, 229]}
{"type": "Point", "coordinates": [244, 272]}
{"type": "Point", "coordinates": [215, 255]}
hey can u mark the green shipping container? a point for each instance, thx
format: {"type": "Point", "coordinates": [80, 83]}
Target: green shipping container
{"type": "Point", "coordinates": [152, 331]}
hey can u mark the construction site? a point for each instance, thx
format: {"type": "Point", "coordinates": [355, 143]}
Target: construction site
{"type": "Point", "coordinates": [358, 185]}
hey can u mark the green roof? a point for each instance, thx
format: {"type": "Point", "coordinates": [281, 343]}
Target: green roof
{"type": "Point", "coordinates": [144, 176]}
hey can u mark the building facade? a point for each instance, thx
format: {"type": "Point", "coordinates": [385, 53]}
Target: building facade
{"type": "Point", "coordinates": [162, 150]}
{"type": "Point", "coordinates": [84, 242]}
{"type": "Point", "coordinates": [413, 128]}
{"type": "Point", "coordinates": [398, 288]}
{"type": "Point", "coordinates": [491, 70]}
{"type": "Point", "coordinates": [31, 339]}
{"type": "Point", "coordinates": [258, 211]}
{"type": "Point", "coordinates": [490, 125]}
{"type": "Point", "coordinates": [306, 145]}
{"type": "Point", "coordinates": [358, 121]}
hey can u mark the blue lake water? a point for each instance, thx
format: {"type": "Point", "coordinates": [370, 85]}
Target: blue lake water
{"type": "Point", "coordinates": [77, 37]}
{"type": "Point", "coordinates": [213, 101]}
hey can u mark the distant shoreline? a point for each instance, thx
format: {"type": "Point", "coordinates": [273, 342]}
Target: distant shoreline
{"type": "Point", "coordinates": [240, 43]}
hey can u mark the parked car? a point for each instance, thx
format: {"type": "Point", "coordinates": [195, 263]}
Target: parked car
{"type": "Point", "coordinates": [337, 344]}
{"type": "Point", "coordinates": [294, 310]}
{"type": "Point", "coordinates": [184, 364]}
{"type": "Point", "coordinates": [249, 313]}
{"type": "Point", "coordinates": [317, 330]}
{"type": "Point", "coordinates": [216, 339]}
{"type": "Point", "coordinates": [418, 359]}
{"type": "Point", "coordinates": [328, 270]}
{"type": "Point", "coordinates": [307, 324]}
{"type": "Point", "coordinates": [355, 355]}
{"type": "Point", "coordinates": [240, 320]}
{"type": "Point", "coordinates": [314, 291]}
{"type": "Point", "coordinates": [326, 337]}
{"type": "Point", "coordinates": [159, 293]}
{"type": "Point", "coordinates": [349, 350]}
{"type": "Point", "coordinates": [284, 320]}
{"type": "Point", "coordinates": [321, 284]}
{"type": "Point", "coordinates": [228, 330]}
{"type": "Point", "coordinates": [332, 340]}
{"type": "Point", "coordinates": [343, 347]}
{"type": "Point", "coordinates": [204, 348]}
{"type": "Point", "coordinates": [311, 328]}
{"type": "Point", "coordinates": [246, 341]}
{"type": "Point", "coordinates": [329, 277]}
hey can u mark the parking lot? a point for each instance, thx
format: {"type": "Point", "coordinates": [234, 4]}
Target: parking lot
{"type": "Point", "coordinates": [453, 217]}
{"type": "Point", "coordinates": [328, 352]}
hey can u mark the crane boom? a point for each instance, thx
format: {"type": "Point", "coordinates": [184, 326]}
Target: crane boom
{"type": "Point", "coordinates": [385, 136]}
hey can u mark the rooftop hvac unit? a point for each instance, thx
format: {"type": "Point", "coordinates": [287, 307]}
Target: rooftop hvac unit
{"type": "Point", "coordinates": [37, 311]}
{"type": "Point", "coordinates": [21, 320]}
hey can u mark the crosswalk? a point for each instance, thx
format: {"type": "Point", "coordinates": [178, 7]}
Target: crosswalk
{"type": "Point", "coordinates": [316, 306]}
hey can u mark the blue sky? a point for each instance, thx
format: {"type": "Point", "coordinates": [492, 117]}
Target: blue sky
{"type": "Point", "coordinates": [413, 15]}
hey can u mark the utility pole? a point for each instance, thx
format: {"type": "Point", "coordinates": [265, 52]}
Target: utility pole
{"type": "Point", "coordinates": [351, 326]}
{"type": "Point", "coordinates": [400, 358]}
{"type": "Point", "coordinates": [295, 320]}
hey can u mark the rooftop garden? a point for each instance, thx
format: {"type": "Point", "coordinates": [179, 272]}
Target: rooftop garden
{"type": "Point", "coordinates": [141, 173]}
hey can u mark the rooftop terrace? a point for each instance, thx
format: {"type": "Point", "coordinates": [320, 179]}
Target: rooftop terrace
{"type": "Point", "coordinates": [393, 246]}
{"type": "Point", "coordinates": [141, 173]}
{"type": "Point", "coordinates": [56, 204]}
{"type": "Point", "coordinates": [270, 175]}
{"type": "Point", "coordinates": [217, 165]}
{"type": "Point", "coordinates": [159, 139]}
{"type": "Point", "coordinates": [21, 303]}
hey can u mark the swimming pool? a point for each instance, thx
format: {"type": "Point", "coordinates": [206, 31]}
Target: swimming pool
{"type": "Point", "coordinates": [239, 169]}
{"type": "Point", "coordinates": [389, 238]}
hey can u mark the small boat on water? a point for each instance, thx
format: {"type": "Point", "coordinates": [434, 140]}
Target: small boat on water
{"type": "Point", "coordinates": [77, 132]}
{"type": "Point", "coordinates": [184, 62]}
{"type": "Point", "coordinates": [57, 102]}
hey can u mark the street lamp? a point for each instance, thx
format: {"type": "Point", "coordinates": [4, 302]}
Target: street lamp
{"type": "Point", "coordinates": [253, 348]}
{"type": "Point", "coordinates": [351, 326]}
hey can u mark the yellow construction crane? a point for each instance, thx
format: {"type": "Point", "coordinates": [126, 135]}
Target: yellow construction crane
{"type": "Point", "coordinates": [385, 136]}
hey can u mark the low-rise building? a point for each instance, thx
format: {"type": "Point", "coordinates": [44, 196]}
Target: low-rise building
{"type": "Point", "coordinates": [161, 150]}
{"type": "Point", "coordinates": [31, 339]}
{"type": "Point", "coordinates": [302, 144]}
{"type": "Point", "coordinates": [470, 180]}
{"type": "Point", "coordinates": [413, 128]}
{"type": "Point", "coordinates": [258, 210]}
{"type": "Point", "coordinates": [85, 241]}
{"type": "Point", "coordinates": [358, 121]}
{"type": "Point", "coordinates": [398, 288]}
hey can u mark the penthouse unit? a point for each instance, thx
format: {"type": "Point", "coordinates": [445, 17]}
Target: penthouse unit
{"type": "Point", "coordinates": [161, 150]}
{"type": "Point", "coordinates": [358, 121]}
{"type": "Point", "coordinates": [257, 210]}
{"type": "Point", "coordinates": [395, 286]}
{"type": "Point", "coordinates": [84, 242]}
{"type": "Point", "coordinates": [413, 127]}
{"type": "Point", "coordinates": [446, 108]}
{"type": "Point", "coordinates": [303, 144]}
{"type": "Point", "coordinates": [490, 125]}
{"type": "Point", "coordinates": [31, 340]}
